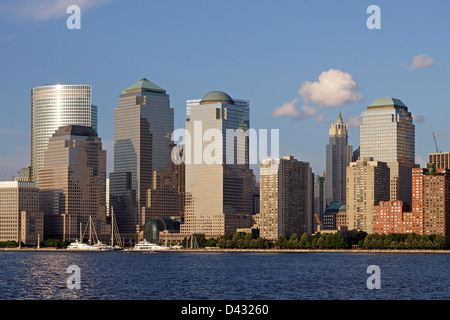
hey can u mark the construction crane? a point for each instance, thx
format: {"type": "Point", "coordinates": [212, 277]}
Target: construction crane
{"type": "Point", "coordinates": [319, 224]}
{"type": "Point", "coordinates": [435, 144]}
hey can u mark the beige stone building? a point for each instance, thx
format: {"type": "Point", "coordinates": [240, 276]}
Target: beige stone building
{"type": "Point", "coordinates": [286, 198]}
{"type": "Point", "coordinates": [367, 185]}
{"type": "Point", "coordinates": [72, 183]}
{"type": "Point", "coordinates": [218, 181]}
{"type": "Point", "coordinates": [20, 218]}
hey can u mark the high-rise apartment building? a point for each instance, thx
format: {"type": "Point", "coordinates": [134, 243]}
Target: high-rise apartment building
{"type": "Point", "coordinates": [367, 185]}
{"type": "Point", "coordinates": [72, 183]}
{"type": "Point", "coordinates": [286, 198]}
{"type": "Point", "coordinates": [143, 124]}
{"type": "Point", "coordinates": [20, 217]}
{"type": "Point", "coordinates": [431, 200]}
{"type": "Point", "coordinates": [390, 217]}
{"type": "Point", "coordinates": [218, 181]}
{"type": "Point", "coordinates": [54, 106]}
{"type": "Point", "coordinates": [339, 155]}
{"type": "Point", "coordinates": [441, 160]}
{"type": "Point", "coordinates": [387, 134]}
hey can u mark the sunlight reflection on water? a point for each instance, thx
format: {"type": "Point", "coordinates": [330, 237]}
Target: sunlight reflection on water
{"type": "Point", "coordinates": [127, 276]}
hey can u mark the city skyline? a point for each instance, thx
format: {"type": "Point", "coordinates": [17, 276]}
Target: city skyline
{"type": "Point", "coordinates": [270, 66]}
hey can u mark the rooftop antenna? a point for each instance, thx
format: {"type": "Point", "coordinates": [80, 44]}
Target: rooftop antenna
{"type": "Point", "coordinates": [435, 144]}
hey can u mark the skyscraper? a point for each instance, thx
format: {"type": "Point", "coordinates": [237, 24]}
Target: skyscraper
{"type": "Point", "coordinates": [143, 124]}
{"type": "Point", "coordinates": [72, 183]}
{"type": "Point", "coordinates": [55, 106]}
{"type": "Point", "coordinates": [218, 193]}
{"type": "Point", "coordinates": [387, 134]}
{"type": "Point", "coordinates": [286, 195]}
{"type": "Point", "coordinates": [367, 185]}
{"type": "Point", "coordinates": [431, 200]}
{"type": "Point", "coordinates": [339, 155]}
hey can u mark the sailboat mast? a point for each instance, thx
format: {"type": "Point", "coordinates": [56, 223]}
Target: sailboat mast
{"type": "Point", "coordinates": [112, 226]}
{"type": "Point", "coordinates": [90, 229]}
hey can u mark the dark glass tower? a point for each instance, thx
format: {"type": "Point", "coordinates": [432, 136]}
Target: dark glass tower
{"type": "Point", "coordinates": [143, 124]}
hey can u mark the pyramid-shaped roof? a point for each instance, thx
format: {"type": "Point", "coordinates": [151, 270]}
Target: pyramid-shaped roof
{"type": "Point", "coordinates": [339, 118]}
{"type": "Point", "coordinates": [387, 102]}
{"type": "Point", "coordinates": [145, 85]}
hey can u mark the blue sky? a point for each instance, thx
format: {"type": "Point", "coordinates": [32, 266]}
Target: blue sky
{"type": "Point", "coordinates": [263, 51]}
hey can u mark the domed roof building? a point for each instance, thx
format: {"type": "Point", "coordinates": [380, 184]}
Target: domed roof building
{"type": "Point", "coordinates": [217, 97]}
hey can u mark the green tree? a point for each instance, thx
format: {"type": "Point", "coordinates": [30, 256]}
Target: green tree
{"type": "Point", "coordinates": [439, 242]}
{"type": "Point", "coordinates": [320, 242]}
{"type": "Point", "coordinates": [221, 243]}
{"type": "Point", "coordinates": [304, 240]}
{"type": "Point", "coordinates": [338, 241]}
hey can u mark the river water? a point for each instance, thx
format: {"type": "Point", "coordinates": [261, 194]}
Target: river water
{"type": "Point", "coordinates": [222, 276]}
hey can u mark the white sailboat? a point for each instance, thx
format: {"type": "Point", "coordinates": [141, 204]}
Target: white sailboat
{"type": "Point", "coordinates": [115, 236]}
{"type": "Point", "coordinates": [80, 246]}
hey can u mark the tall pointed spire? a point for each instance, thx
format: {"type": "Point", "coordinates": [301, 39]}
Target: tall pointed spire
{"type": "Point", "coordinates": [339, 119]}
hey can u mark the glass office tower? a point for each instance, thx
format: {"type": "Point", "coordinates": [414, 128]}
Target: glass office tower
{"type": "Point", "coordinates": [54, 106]}
{"type": "Point", "coordinates": [388, 134]}
{"type": "Point", "coordinates": [143, 124]}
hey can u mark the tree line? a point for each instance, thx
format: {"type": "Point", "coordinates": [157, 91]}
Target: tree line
{"type": "Point", "coordinates": [338, 240]}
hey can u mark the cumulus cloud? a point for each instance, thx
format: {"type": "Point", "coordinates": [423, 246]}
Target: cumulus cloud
{"type": "Point", "coordinates": [309, 111]}
{"type": "Point", "coordinates": [422, 61]}
{"type": "Point", "coordinates": [288, 109]}
{"type": "Point", "coordinates": [333, 88]}
{"type": "Point", "coordinates": [356, 121]}
{"type": "Point", "coordinates": [321, 118]}
{"type": "Point", "coordinates": [418, 118]}
{"type": "Point", "coordinates": [44, 10]}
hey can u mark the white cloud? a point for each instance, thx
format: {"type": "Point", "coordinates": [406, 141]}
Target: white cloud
{"type": "Point", "coordinates": [321, 117]}
{"type": "Point", "coordinates": [356, 121]}
{"type": "Point", "coordinates": [44, 10]}
{"type": "Point", "coordinates": [309, 111]}
{"type": "Point", "coordinates": [288, 109]}
{"type": "Point", "coordinates": [333, 88]}
{"type": "Point", "coordinates": [422, 61]}
{"type": "Point", "coordinates": [418, 118]}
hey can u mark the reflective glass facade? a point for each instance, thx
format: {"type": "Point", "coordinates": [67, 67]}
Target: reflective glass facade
{"type": "Point", "coordinates": [388, 134]}
{"type": "Point", "coordinates": [143, 124]}
{"type": "Point", "coordinates": [55, 106]}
